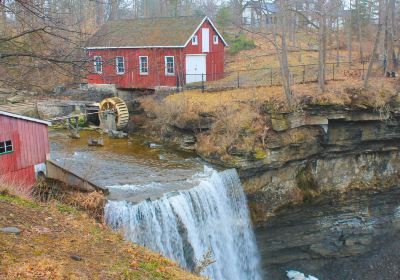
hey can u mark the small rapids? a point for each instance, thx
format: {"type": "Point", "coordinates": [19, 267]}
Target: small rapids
{"type": "Point", "coordinates": [185, 225]}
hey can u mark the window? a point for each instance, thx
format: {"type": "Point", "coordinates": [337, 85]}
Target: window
{"type": "Point", "coordinates": [6, 147]}
{"type": "Point", "coordinates": [215, 39]}
{"type": "Point", "coordinates": [169, 65]}
{"type": "Point", "coordinates": [120, 63]}
{"type": "Point", "coordinates": [144, 65]}
{"type": "Point", "coordinates": [194, 40]}
{"type": "Point", "coordinates": [98, 65]}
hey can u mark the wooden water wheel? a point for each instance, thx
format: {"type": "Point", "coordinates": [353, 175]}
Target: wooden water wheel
{"type": "Point", "coordinates": [117, 106]}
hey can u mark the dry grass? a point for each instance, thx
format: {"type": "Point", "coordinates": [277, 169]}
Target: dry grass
{"type": "Point", "coordinates": [52, 233]}
{"type": "Point", "coordinates": [240, 124]}
{"type": "Point", "coordinates": [255, 65]}
{"type": "Point", "coordinates": [47, 190]}
{"type": "Point", "coordinates": [14, 188]}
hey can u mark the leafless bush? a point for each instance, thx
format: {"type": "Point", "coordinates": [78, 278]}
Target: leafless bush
{"type": "Point", "coordinates": [13, 187]}
{"type": "Point", "coordinates": [202, 264]}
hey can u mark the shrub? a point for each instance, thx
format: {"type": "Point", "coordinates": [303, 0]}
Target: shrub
{"type": "Point", "coordinates": [241, 43]}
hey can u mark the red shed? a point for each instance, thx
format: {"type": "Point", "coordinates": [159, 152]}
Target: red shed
{"type": "Point", "coordinates": [24, 148]}
{"type": "Point", "coordinates": [156, 52]}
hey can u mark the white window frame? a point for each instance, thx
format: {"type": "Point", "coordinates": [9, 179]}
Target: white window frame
{"type": "Point", "coordinates": [166, 65]}
{"type": "Point", "coordinates": [95, 64]}
{"type": "Point", "coordinates": [140, 65]}
{"type": "Point", "coordinates": [195, 40]}
{"type": "Point", "coordinates": [215, 39]}
{"type": "Point", "coordinates": [123, 65]}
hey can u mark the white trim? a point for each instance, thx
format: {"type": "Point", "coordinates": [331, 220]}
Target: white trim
{"type": "Point", "coordinates": [116, 65]}
{"type": "Point", "coordinates": [166, 65]}
{"type": "Point", "coordinates": [196, 41]}
{"type": "Point", "coordinates": [149, 47]}
{"type": "Point", "coordinates": [198, 54]}
{"type": "Point", "coordinates": [24, 118]}
{"type": "Point", "coordinates": [205, 40]}
{"type": "Point", "coordinates": [215, 42]}
{"type": "Point", "coordinates": [140, 65]}
{"type": "Point", "coordinates": [95, 65]}
{"type": "Point", "coordinates": [212, 24]}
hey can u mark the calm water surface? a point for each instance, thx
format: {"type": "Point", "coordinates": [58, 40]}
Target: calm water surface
{"type": "Point", "coordinates": [148, 168]}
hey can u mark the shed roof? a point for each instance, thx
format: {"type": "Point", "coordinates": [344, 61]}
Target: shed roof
{"type": "Point", "coordinates": [12, 115]}
{"type": "Point", "coordinates": [147, 32]}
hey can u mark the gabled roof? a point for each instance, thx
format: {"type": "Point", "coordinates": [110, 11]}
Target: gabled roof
{"type": "Point", "coordinates": [164, 32]}
{"type": "Point", "coordinates": [266, 7]}
{"type": "Point", "coordinates": [21, 117]}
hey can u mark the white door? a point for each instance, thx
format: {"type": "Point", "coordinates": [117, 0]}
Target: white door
{"type": "Point", "coordinates": [205, 39]}
{"type": "Point", "coordinates": [195, 67]}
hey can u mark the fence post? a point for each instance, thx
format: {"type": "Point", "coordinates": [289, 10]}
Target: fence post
{"type": "Point", "coordinates": [304, 74]}
{"type": "Point", "coordinates": [238, 80]}
{"type": "Point", "coordinates": [333, 70]}
{"type": "Point", "coordinates": [202, 82]}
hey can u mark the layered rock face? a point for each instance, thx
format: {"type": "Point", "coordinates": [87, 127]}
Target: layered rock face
{"type": "Point", "coordinates": [354, 235]}
{"type": "Point", "coordinates": [329, 149]}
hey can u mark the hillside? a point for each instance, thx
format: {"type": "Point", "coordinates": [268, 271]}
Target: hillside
{"type": "Point", "coordinates": [59, 242]}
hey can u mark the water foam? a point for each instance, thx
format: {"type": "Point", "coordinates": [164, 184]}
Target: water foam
{"type": "Point", "coordinates": [184, 225]}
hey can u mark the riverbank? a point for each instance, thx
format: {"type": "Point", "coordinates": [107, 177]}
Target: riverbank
{"type": "Point", "coordinates": [56, 241]}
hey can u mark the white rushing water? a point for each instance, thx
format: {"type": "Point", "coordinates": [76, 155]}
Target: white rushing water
{"type": "Point", "coordinates": [184, 225]}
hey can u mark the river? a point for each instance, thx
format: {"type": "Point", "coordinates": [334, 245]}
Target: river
{"type": "Point", "coordinates": [172, 202]}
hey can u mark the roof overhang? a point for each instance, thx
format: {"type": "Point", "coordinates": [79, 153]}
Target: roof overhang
{"type": "Point", "coordinates": [134, 47]}
{"type": "Point", "coordinates": [169, 47]}
{"type": "Point", "coordinates": [21, 117]}
{"type": "Point", "coordinates": [213, 26]}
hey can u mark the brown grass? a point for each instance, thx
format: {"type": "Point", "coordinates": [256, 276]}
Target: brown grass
{"type": "Point", "coordinates": [53, 232]}
{"type": "Point", "coordinates": [14, 188]}
{"type": "Point", "coordinates": [240, 124]}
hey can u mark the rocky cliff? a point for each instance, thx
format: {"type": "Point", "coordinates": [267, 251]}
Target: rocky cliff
{"type": "Point", "coordinates": [334, 149]}
{"type": "Point", "coordinates": [285, 158]}
{"type": "Point", "coordinates": [354, 235]}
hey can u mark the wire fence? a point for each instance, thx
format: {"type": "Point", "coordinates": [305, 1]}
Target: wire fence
{"type": "Point", "coordinates": [268, 77]}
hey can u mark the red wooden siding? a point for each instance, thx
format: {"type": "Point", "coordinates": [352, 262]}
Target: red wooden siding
{"type": "Point", "coordinates": [24, 177]}
{"type": "Point", "coordinates": [215, 57]}
{"type": "Point", "coordinates": [132, 77]}
{"type": "Point", "coordinates": [30, 144]}
{"type": "Point", "coordinates": [156, 59]}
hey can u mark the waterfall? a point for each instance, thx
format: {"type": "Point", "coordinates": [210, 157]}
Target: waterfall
{"type": "Point", "coordinates": [184, 225]}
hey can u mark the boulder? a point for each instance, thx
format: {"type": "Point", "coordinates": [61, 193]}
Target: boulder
{"type": "Point", "coordinates": [114, 134]}
{"type": "Point", "coordinates": [10, 230]}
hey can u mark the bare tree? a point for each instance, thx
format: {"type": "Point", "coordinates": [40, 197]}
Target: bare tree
{"type": "Point", "coordinates": [283, 51]}
{"type": "Point", "coordinates": [359, 31]}
{"type": "Point", "coordinates": [382, 18]}
{"type": "Point", "coordinates": [39, 41]}
{"type": "Point", "coordinates": [322, 44]}
{"type": "Point", "coordinates": [350, 35]}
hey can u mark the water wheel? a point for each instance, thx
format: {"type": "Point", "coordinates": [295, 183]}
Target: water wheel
{"type": "Point", "coordinates": [118, 107]}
